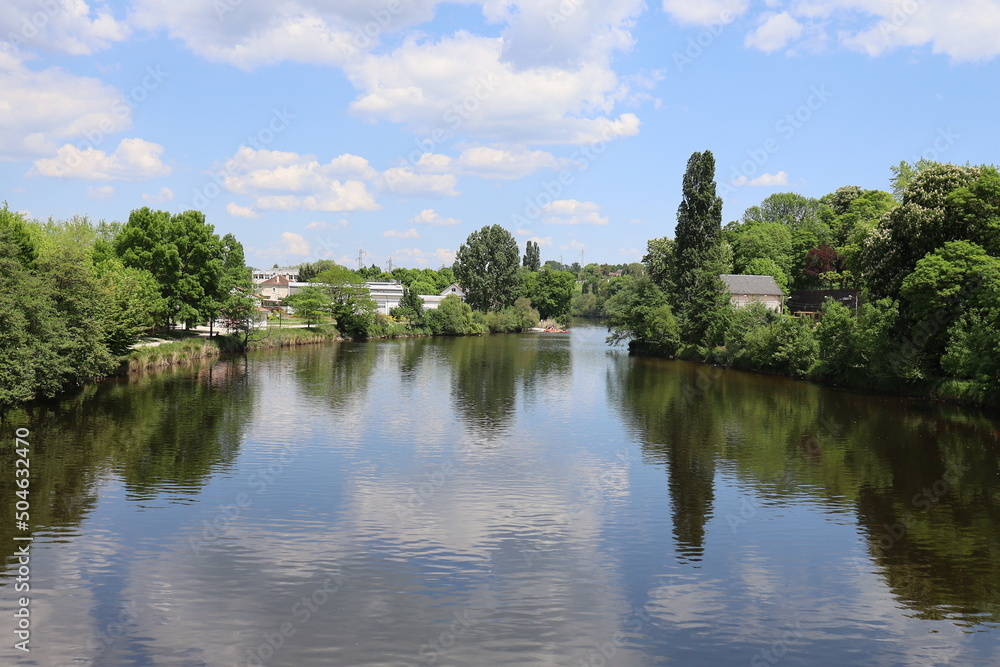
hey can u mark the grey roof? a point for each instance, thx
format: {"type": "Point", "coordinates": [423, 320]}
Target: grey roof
{"type": "Point", "coordinates": [763, 285]}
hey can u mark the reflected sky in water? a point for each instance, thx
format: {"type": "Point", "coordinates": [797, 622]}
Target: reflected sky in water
{"type": "Point", "coordinates": [504, 500]}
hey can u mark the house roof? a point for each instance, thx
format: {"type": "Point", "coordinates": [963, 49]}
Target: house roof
{"type": "Point", "coordinates": [762, 285]}
{"type": "Point", "coordinates": [277, 281]}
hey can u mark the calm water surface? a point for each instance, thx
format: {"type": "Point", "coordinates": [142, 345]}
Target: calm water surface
{"type": "Point", "coordinates": [504, 500]}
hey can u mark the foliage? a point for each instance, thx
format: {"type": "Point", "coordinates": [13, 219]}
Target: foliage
{"type": "Point", "coordinates": [767, 267]}
{"type": "Point", "coordinates": [519, 317]}
{"type": "Point", "coordinates": [349, 301]}
{"type": "Point", "coordinates": [553, 294]}
{"type": "Point", "coordinates": [532, 256]}
{"type": "Point", "coordinates": [241, 315]}
{"type": "Point", "coordinates": [639, 312]}
{"type": "Point", "coordinates": [310, 302]}
{"type": "Point", "coordinates": [132, 303]}
{"type": "Point", "coordinates": [658, 260]}
{"type": "Point", "coordinates": [411, 307]}
{"type": "Point", "coordinates": [453, 317]}
{"type": "Point", "coordinates": [308, 271]}
{"type": "Point", "coordinates": [698, 230]}
{"type": "Point", "coordinates": [486, 265]}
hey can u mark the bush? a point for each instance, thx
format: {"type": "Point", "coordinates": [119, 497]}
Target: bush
{"type": "Point", "coordinates": [453, 317]}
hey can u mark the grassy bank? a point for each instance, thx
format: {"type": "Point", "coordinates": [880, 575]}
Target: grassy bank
{"type": "Point", "coordinates": [194, 349]}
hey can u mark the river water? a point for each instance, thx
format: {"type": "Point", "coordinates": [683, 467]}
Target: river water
{"type": "Point", "coordinates": [500, 500]}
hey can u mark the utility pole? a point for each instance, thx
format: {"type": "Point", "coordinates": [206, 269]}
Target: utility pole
{"type": "Point", "coordinates": [390, 264]}
{"type": "Point", "coordinates": [361, 258]}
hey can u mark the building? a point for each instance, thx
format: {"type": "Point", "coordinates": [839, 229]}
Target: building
{"type": "Point", "coordinates": [454, 288]}
{"type": "Point", "coordinates": [433, 301]}
{"type": "Point", "coordinates": [745, 290]}
{"type": "Point", "coordinates": [259, 276]}
{"type": "Point", "coordinates": [386, 295]}
{"type": "Point", "coordinates": [810, 301]}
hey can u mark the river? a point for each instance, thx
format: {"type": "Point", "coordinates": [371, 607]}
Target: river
{"type": "Point", "coordinates": [500, 500]}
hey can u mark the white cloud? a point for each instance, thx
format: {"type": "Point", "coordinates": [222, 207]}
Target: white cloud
{"type": "Point", "coordinates": [429, 217]}
{"type": "Point", "coordinates": [237, 211]}
{"type": "Point", "coordinates": [318, 224]}
{"type": "Point", "coordinates": [773, 32]}
{"type": "Point", "coordinates": [441, 256]}
{"type": "Point", "coordinates": [315, 188]}
{"type": "Point", "coordinates": [573, 212]}
{"type": "Point", "coordinates": [40, 109]}
{"type": "Point", "coordinates": [705, 12]}
{"type": "Point", "coordinates": [164, 195]}
{"type": "Point", "coordinates": [67, 26]}
{"type": "Point", "coordinates": [504, 162]}
{"type": "Point", "coordinates": [573, 245]}
{"type": "Point", "coordinates": [411, 233]}
{"type": "Point", "coordinates": [133, 160]}
{"type": "Point", "coordinates": [295, 244]}
{"type": "Point", "coordinates": [462, 83]}
{"type": "Point", "coordinates": [542, 242]}
{"type": "Point", "coordinates": [100, 193]}
{"type": "Point", "coordinates": [408, 182]}
{"type": "Point", "coordinates": [763, 181]}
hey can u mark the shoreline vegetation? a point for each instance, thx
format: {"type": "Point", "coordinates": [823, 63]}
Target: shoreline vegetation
{"type": "Point", "coordinates": [922, 264]}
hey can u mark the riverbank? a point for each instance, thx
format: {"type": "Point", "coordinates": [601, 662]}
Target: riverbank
{"type": "Point", "coordinates": [946, 390]}
{"type": "Point", "coordinates": [195, 349]}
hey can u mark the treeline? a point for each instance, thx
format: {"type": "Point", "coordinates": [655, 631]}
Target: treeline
{"type": "Point", "coordinates": [925, 258]}
{"type": "Point", "coordinates": [75, 296]}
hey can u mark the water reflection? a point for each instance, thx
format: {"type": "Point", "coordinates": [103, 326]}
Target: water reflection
{"type": "Point", "coordinates": [919, 480]}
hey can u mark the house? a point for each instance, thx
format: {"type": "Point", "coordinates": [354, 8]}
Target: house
{"type": "Point", "coordinates": [744, 290]}
{"type": "Point", "coordinates": [454, 288]}
{"type": "Point", "coordinates": [276, 288]}
{"type": "Point", "coordinates": [259, 276]}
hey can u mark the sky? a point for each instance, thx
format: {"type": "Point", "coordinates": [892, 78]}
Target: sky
{"type": "Point", "coordinates": [391, 129]}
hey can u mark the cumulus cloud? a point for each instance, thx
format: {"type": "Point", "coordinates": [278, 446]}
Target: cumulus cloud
{"type": "Point", "coordinates": [319, 224]}
{"type": "Point", "coordinates": [774, 32]}
{"type": "Point", "coordinates": [705, 12]}
{"type": "Point", "coordinates": [407, 181]}
{"type": "Point", "coordinates": [295, 244]}
{"type": "Point", "coordinates": [429, 217]}
{"type": "Point", "coordinates": [133, 160]}
{"type": "Point", "coordinates": [40, 109]}
{"type": "Point", "coordinates": [306, 183]}
{"type": "Point", "coordinates": [504, 162]}
{"type": "Point", "coordinates": [573, 212]}
{"type": "Point", "coordinates": [764, 180]}
{"type": "Point", "coordinates": [164, 195]}
{"type": "Point", "coordinates": [410, 233]}
{"type": "Point", "coordinates": [67, 27]}
{"type": "Point", "coordinates": [237, 211]}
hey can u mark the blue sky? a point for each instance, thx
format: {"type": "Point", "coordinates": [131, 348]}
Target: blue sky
{"type": "Point", "coordinates": [313, 129]}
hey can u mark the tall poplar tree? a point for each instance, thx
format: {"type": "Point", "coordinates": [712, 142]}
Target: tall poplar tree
{"type": "Point", "coordinates": [697, 258]}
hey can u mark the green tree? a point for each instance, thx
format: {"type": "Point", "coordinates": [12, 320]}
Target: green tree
{"type": "Point", "coordinates": [132, 303]}
{"type": "Point", "coordinates": [308, 271]}
{"type": "Point", "coordinates": [486, 265]}
{"type": "Point", "coordinates": [904, 173]}
{"type": "Point", "coordinates": [241, 315]}
{"type": "Point", "coordinates": [639, 312]}
{"type": "Point", "coordinates": [350, 302]}
{"type": "Point", "coordinates": [310, 302]}
{"type": "Point", "coordinates": [411, 306]}
{"type": "Point", "coordinates": [453, 317]}
{"type": "Point", "coordinates": [941, 203]}
{"type": "Point", "coordinates": [767, 267]}
{"type": "Point", "coordinates": [554, 293]}
{"type": "Point", "coordinates": [532, 256]}
{"type": "Point", "coordinates": [659, 260]}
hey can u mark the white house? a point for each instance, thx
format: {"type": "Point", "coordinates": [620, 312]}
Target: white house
{"type": "Point", "coordinates": [744, 290]}
{"type": "Point", "coordinates": [432, 301]}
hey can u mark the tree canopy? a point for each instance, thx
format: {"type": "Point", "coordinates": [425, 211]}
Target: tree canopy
{"type": "Point", "coordinates": [486, 265]}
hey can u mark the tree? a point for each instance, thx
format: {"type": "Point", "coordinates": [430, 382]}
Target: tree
{"type": "Point", "coordinates": [659, 260]}
{"type": "Point", "coordinates": [486, 266]}
{"type": "Point", "coordinates": [638, 312]}
{"type": "Point", "coordinates": [761, 240]}
{"type": "Point", "coordinates": [941, 203]}
{"type": "Point", "coordinates": [452, 317]}
{"type": "Point", "coordinates": [904, 173]}
{"type": "Point", "coordinates": [309, 271]}
{"type": "Point", "coordinates": [132, 303]}
{"type": "Point", "coordinates": [411, 306]}
{"type": "Point", "coordinates": [241, 315]}
{"type": "Point", "coordinates": [532, 256]}
{"type": "Point", "coordinates": [350, 302]}
{"type": "Point", "coordinates": [554, 293]}
{"type": "Point", "coordinates": [310, 302]}
{"type": "Point", "coordinates": [698, 253]}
